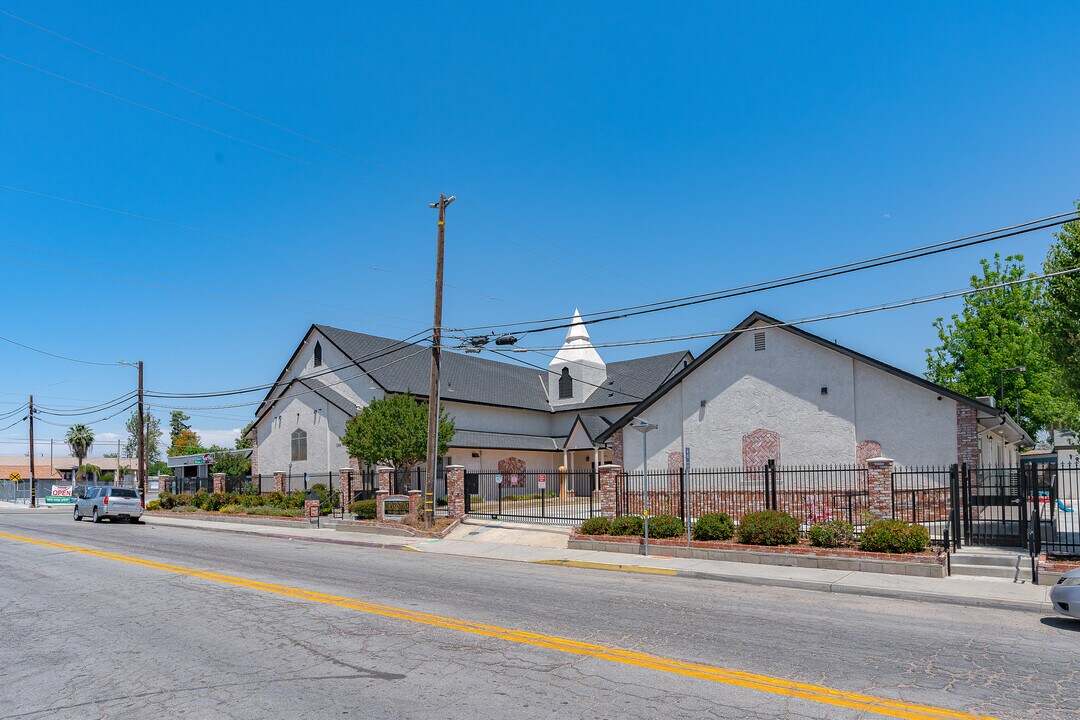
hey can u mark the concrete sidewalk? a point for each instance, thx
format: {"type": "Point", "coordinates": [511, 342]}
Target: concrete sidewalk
{"type": "Point", "coordinates": [511, 542]}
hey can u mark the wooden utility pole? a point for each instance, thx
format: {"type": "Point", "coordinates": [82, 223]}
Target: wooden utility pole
{"type": "Point", "coordinates": [33, 484]}
{"type": "Point", "coordinates": [433, 387]}
{"type": "Point", "coordinates": [140, 478]}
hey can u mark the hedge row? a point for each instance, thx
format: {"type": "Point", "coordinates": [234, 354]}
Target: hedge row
{"type": "Point", "coordinates": [771, 527]}
{"type": "Point", "coordinates": [275, 503]}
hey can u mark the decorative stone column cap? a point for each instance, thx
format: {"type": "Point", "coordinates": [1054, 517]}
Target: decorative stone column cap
{"type": "Point", "coordinates": [412, 492]}
{"type": "Point", "coordinates": [879, 461]}
{"type": "Point", "coordinates": [218, 474]}
{"type": "Point", "coordinates": [610, 466]}
{"type": "Point", "coordinates": [345, 470]}
{"type": "Point", "coordinates": [384, 468]}
{"type": "Point", "coordinates": [279, 472]}
{"type": "Point", "coordinates": [455, 467]}
{"type": "Point", "coordinates": [382, 492]}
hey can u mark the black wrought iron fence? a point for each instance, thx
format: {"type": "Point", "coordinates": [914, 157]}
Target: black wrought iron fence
{"type": "Point", "coordinates": [545, 497]}
{"type": "Point", "coordinates": [1058, 499]}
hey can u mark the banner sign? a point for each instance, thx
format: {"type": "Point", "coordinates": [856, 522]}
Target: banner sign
{"type": "Point", "coordinates": [59, 494]}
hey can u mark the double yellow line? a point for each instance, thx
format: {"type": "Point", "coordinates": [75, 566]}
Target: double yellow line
{"type": "Point", "coordinates": [752, 681]}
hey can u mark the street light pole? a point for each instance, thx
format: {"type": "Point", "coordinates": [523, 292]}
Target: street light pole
{"type": "Point", "coordinates": [645, 427]}
{"type": "Point", "coordinates": [1001, 386]}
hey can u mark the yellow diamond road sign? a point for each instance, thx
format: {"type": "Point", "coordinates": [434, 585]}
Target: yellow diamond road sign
{"type": "Point", "coordinates": [15, 476]}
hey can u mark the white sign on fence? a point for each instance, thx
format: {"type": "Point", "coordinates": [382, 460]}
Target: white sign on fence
{"type": "Point", "coordinates": [541, 481]}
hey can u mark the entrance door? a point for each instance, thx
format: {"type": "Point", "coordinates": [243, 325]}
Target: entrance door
{"type": "Point", "coordinates": [994, 506]}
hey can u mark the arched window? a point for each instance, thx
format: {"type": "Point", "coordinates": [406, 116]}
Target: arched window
{"type": "Point", "coordinates": [566, 385]}
{"type": "Point", "coordinates": [299, 445]}
{"type": "Point", "coordinates": [318, 354]}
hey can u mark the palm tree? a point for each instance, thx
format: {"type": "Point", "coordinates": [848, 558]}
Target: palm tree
{"type": "Point", "coordinates": [79, 438]}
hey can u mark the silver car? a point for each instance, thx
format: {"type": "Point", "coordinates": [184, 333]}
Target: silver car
{"type": "Point", "coordinates": [108, 502]}
{"type": "Point", "coordinates": [1066, 594]}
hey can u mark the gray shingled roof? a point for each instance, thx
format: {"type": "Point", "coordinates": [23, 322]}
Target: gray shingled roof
{"type": "Point", "coordinates": [504, 441]}
{"type": "Point", "coordinates": [399, 368]}
{"type": "Point", "coordinates": [595, 424]}
{"type": "Point", "coordinates": [328, 393]}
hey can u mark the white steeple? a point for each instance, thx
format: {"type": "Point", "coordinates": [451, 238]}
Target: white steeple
{"type": "Point", "coordinates": [584, 366]}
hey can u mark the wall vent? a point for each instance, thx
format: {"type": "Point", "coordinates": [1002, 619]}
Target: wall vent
{"type": "Point", "coordinates": [759, 341]}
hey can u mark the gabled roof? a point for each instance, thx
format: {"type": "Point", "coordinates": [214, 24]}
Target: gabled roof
{"type": "Point", "coordinates": [758, 317]}
{"type": "Point", "coordinates": [482, 440]}
{"type": "Point", "coordinates": [594, 425]}
{"type": "Point", "coordinates": [329, 394]}
{"type": "Point", "coordinates": [630, 381]}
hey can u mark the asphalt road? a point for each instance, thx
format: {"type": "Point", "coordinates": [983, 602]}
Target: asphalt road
{"type": "Point", "coordinates": [96, 637]}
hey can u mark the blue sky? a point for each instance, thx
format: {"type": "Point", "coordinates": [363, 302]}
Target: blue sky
{"type": "Point", "coordinates": [603, 154]}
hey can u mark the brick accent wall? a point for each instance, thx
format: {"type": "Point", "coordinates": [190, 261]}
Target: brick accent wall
{"type": "Point", "coordinates": [865, 450]}
{"type": "Point", "coordinates": [219, 482]}
{"type": "Point", "coordinates": [617, 448]}
{"type": "Point", "coordinates": [415, 499]}
{"type": "Point", "coordinates": [879, 486]}
{"type": "Point", "coordinates": [609, 475]}
{"type": "Point", "coordinates": [380, 497]}
{"type": "Point", "coordinates": [455, 491]}
{"type": "Point", "coordinates": [311, 509]}
{"type": "Point", "coordinates": [281, 482]}
{"type": "Point", "coordinates": [967, 435]}
{"type": "Point", "coordinates": [345, 477]}
{"type": "Point", "coordinates": [255, 457]}
{"type": "Point", "coordinates": [759, 446]}
{"type": "Point", "coordinates": [386, 478]}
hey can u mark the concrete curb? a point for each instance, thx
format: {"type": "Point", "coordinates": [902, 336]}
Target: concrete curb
{"type": "Point", "coordinates": [817, 586]}
{"type": "Point", "coordinates": [1041, 607]}
{"type": "Point", "coordinates": [282, 536]}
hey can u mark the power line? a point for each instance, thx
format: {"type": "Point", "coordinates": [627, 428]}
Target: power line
{"type": "Point", "coordinates": [222, 234]}
{"type": "Point", "coordinates": [584, 382]}
{"type": "Point", "coordinates": [92, 422]}
{"type": "Point", "coordinates": [801, 278]}
{"type": "Point", "coordinates": [85, 411]}
{"type": "Point", "coordinates": [374, 355]}
{"type": "Point", "coordinates": [831, 316]}
{"type": "Point", "coordinates": [54, 355]}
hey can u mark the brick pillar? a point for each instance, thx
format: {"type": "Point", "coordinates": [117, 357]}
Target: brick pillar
{"type": "Point", "coordinates": [380, 497]}
{"type": "Point", "coordinates": [608, 476]}
{"type": "Point", "coordinates": [967, 435]}
{"type": "Point", "coordinates": [879, 486]}
{"type": "Point", "coordinates": [311, 508]}
{"type": "Point", "coordinates": [345, 476]}
{"type": "Point", "coordinates": [386, 478]}
{"type": "Point", "coordinates": [219, 482]}
{"type": "Point", "coordinates": [281, 482]}
{"type": "Point", "coordinates": [415, 499]}
{"type": "Point", "coordinates": [617, 447]}
{"type": "Point", "coordinates": [455, 491]}
{"type": "Point", "coordinates": [255, 457]}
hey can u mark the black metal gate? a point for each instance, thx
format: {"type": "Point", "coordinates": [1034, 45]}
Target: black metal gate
{"type": "Point", "coordinates": [546, 497]}
{"type": "Point", "coordinates": [994, 505]}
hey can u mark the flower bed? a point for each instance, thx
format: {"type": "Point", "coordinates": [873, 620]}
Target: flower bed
{"type": "Point", "coordinates": [443, 526]}
{"type": "Point", "coordinates": [928, 563]}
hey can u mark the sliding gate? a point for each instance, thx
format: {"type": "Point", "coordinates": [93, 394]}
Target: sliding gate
{"type": "Point", "coordinates": [546, 497]}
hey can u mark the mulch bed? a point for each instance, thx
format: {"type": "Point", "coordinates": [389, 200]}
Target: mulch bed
{"type": "Point", "coordinates": [802, 548]}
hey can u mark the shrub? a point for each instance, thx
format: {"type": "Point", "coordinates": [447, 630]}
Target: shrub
{"type": "Point", "coordinates": [232, 509]}
{"type": "Point", "coordinates": [441, 502]}
{"type": "Point", "coordinates": [894, 536]}
{"type": "Point", "coordinates": [154, 505]}
{"type": "Point", "coordinates": [666, 526]}
{"type": "Point", "coordinates": [596, 526]}
{"type": "Point", "coordinates": [185, 508]}
{"type": "Point", "coordinates": [277, 512]}
{"type": "Point", "coordinates": [832, 533]}
{"type": "Point", "coordinates": [166, 500]}
{"type": "Point", "coordinates": [768, 527]}
{"type": "Point", "coordinates": [714, 526]}
{"type": "Point", "coordinates": [183, 499]}
{"type": "Point", "coordinates": [628, 525]}
{"type": "Point", "coordinates": [363, 509]}
{"type": "Point", "coordinates": [295, 499]}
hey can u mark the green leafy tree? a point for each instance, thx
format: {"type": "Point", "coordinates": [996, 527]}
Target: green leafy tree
{"type": "Point", "coordinates": [178, 423]}
{"type": "Point", "coordinates": [161, 467]}
{"type": "Point", "coordinates": [1061, 316]}
{"type": "Point", "coordinates": [231, 464]}
{"type": "Point", "coordinates": [186, 442]}
{"type": "Point", "coordinates": [153, 437]}
{"type": "Point", "coordinates": [244, 441]}
{"type": "Point", "coordinates": [79, 438]}
{"type": "Point", "coordinates": [998, 329]}
{"type": "Point", "coordinates": [89, 471]}
{"type": "Point", "coordinates": [393, 431]}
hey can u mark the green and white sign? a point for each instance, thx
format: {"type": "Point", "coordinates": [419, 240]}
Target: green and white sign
{"type": "Point", "coordinates": [59, 494]}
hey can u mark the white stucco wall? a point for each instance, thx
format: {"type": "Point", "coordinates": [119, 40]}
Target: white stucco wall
{"type": "Point", "coordinates": [780, 389]}
{"type": "Point", "coordinates": [324, 425]}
